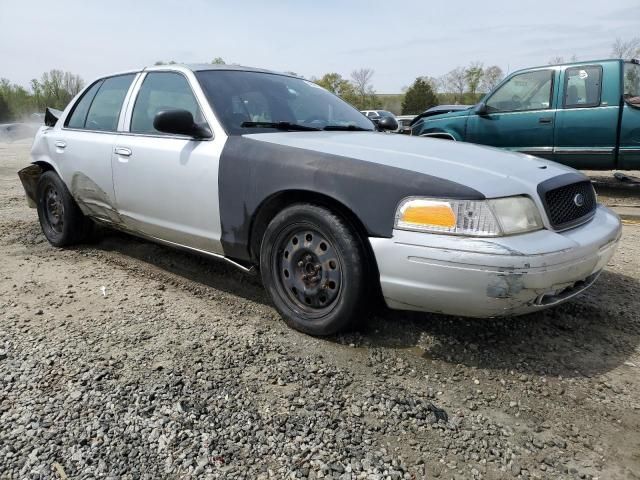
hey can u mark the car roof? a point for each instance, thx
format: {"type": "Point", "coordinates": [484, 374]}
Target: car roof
{"type": "Point", "coordinates": [570, 64]}
{"type": "Point", "coordinates": [196, 67]}
{"type": "Point", "coordinates": [202, 67]}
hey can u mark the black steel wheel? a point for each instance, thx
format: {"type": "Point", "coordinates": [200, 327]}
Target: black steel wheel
{"type": "Point", "coordinates": [60, 217]}
{"type": "Point", "coordinates": [312, 266]}
{"type": "Point", "coordinates": [54, 209]}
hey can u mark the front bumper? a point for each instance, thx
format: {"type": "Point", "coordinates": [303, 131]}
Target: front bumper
{"type": "Point", "coordinates": [491, 277]}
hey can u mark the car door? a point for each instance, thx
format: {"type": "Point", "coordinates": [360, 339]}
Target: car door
{"type": "Point", "coordinates": [519, 115]}
{"type": "Point", "coordinates": [587, 118]}
{"type": "Point", "coordinates": [83, 146]}
{"type": "Point", "coordinates": [629, 153]}
{"type": "Point", "coordinates": [166, 185]}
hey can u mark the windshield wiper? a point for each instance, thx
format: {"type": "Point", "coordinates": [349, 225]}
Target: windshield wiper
{"type": "Point", "coordinates": [347, 128]}
{"type": "Point", "coordinates": [280, 126]}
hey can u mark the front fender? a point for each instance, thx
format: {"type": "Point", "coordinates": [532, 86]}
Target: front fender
{"type": "Point", "coordinates": [252, 171]}
{"type": "Point", "coordinates": [456, 127]}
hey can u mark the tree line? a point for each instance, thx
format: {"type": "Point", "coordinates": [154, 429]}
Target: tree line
{"type": "Point", "coordinates": [53, 89]}
{"type": "Point", "coordinates": [461, 85]}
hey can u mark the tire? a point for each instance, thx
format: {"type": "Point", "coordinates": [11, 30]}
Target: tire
{"type": "Point", "coordinates": [62, 222]}
{"type": "Point", "coordinates": [313, 267]}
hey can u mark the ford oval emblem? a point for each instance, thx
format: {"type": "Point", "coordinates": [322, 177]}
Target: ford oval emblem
{"type": "Point", "coordinates": [578, 200]}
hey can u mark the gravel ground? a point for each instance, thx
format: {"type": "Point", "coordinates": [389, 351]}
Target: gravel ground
{"type": "Point", "coordinates": [125, 359]}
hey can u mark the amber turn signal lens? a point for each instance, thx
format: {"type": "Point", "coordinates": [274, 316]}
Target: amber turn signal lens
{"type": "Point", "coordinates": [436, 214]}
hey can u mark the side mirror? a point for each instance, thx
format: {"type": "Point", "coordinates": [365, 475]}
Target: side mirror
{"type": "Point", "coordinates": [481, 108]}
{"type": "Point", "coordinates": [387, 123]}
{"type": "Point", "coordinates": [180, 122]}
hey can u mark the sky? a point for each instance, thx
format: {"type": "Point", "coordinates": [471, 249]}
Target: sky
{"type": "Point", "coordinates": [398, 40]}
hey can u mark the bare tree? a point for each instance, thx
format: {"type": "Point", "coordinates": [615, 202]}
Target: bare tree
{"type": "Point", "coordinates": [491, 77]}
{"type": "Point", "coordinates": [55, 88]}
{"type": "Point", "coordinates": [72, 83]}
{"type": "Point", "coordinates": [361, 79]}
{"type": "Point", "coordinates": [435, 83]}
{"type": "Point", "coordinates": [557, 60]}
{"type": "Point", "coordinates": [455, 82]}
{"type": "Point", "coordinates": [626, 49]}
{"type": "Point", "coordinates": [473, 75]}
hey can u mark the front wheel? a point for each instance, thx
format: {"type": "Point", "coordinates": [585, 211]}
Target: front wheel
{"type": "Point", "coordinates": [312, 265]}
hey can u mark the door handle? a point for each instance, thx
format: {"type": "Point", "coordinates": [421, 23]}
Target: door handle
{"type": "Point", "coordinates": [545, 120]}
{"type": "Point", "coordinates": [60, 144]}
{"type": "Point", "coordinates": [122, 151]}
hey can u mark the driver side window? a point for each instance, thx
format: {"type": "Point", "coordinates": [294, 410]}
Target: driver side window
{"type": "Point", "coordinates": [527, 91]}
{"type": "Point", "coordinates": [162, 91]}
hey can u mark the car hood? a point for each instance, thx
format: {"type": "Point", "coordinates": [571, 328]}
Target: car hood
{"type": "Point", "coordinates": [493, 172]}
{"type": "Point", "coordinates": [441, 116]}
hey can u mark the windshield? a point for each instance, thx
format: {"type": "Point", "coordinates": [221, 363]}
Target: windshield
{"type": "Point", "coordinates": [632, 83]}
{"type": "Point", "coordinates": [250, 102]}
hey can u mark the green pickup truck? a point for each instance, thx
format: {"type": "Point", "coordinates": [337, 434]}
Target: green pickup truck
{"type": "Point", "coordinates": [585, 114]}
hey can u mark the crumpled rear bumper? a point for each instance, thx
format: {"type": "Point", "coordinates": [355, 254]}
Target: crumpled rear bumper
{"type": "Point", "coordinates": [489, 277]}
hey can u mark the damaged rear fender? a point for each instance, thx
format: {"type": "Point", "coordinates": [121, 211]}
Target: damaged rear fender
{"type": "Point", "coordinates": [29, 177]}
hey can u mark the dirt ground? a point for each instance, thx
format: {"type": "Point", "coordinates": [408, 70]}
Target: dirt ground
{"type": "Point", "coordinates": [125, 359]}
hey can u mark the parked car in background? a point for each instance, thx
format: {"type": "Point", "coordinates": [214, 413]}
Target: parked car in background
{"type": "Point", "coordinates": [382, 119]}
{"type": "Point", "coordinates": [376, 114]}
{"type": "Point", "coordinates": [582, 114]}
{"type": "Point", "coordinates": [404, 123]}
{"type": "Point", "coordinates": [273, 173]}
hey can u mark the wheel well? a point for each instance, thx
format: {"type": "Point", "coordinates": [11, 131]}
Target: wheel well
{"type": "Point", "coordinates": [274, 204]}
{"type": "Point", "coordinates": [44, 166]}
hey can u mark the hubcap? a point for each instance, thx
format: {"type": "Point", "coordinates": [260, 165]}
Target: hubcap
{"type": "Point", "coordinates": [54, 209]}
{"type": "Point", "coordinates": [310, 269]}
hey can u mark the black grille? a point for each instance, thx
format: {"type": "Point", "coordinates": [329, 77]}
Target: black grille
{"type": "Point", "coordinates": [570, 204]}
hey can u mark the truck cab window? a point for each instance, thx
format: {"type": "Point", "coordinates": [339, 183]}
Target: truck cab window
{"type": "Point", "coordinates": [582, 86]}
{"type": "Point", "coordinates": [631, 91]}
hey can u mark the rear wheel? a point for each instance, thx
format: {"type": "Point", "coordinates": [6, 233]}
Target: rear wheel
{"type": "Point", "coordinates": [313, 267]}
{"type": "Point", "coordinates": [60, 217]}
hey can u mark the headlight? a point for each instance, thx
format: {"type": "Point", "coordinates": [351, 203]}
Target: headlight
{"type": "Point", "coordinates": [481, 218]}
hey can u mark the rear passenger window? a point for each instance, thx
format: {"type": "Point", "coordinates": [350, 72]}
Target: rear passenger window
{"type": "Point", "coordinates": [162, 91]}
{"type": "Point", "coordinates": [582, 86]}
{"type": "Point", "coordinates": [79, 114]}
{"type": "Point", "coordinates": [104, 111]}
